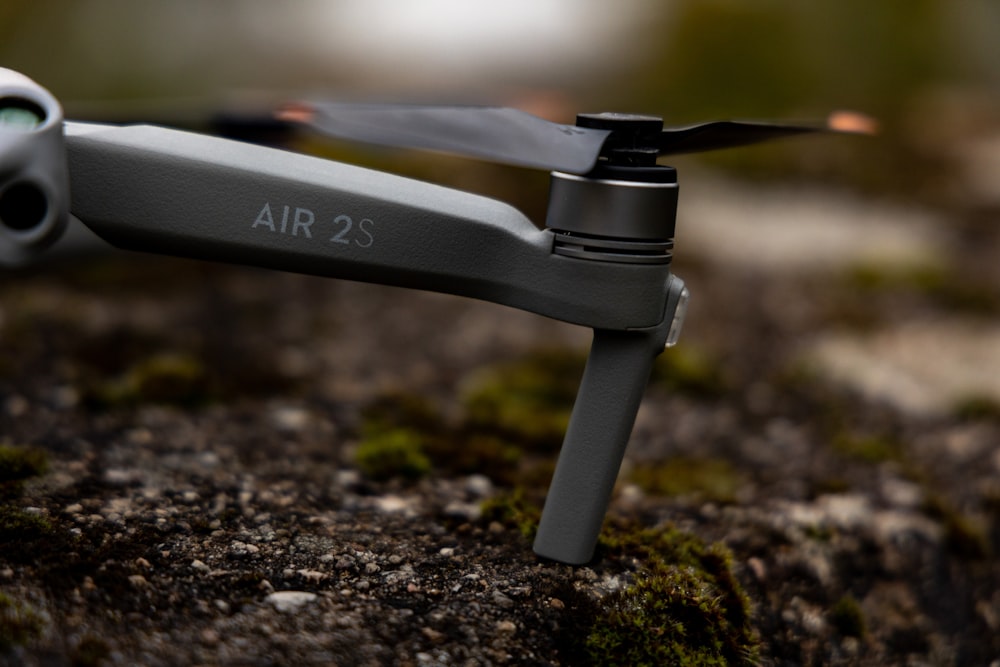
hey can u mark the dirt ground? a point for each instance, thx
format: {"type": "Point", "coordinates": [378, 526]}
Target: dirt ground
{"type": "Point", "coordinates": [193, 489]}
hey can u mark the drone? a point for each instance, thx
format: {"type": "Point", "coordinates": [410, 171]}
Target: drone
{"type": "Point", "coordinates": [602, 259]}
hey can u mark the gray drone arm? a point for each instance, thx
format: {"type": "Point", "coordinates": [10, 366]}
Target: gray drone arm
{"type": "Point", "coordinates": [166, 191]}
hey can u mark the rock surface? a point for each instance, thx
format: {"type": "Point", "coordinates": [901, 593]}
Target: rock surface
{"type": "Point", "coordinates": [202, 505]}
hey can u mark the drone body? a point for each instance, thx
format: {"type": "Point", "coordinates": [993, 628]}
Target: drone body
{"type": "Point", "coordinates": [602, 260]}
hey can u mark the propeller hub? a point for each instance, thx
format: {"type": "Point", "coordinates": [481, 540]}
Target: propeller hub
{"type": "Point", "coordinates": [620, 122]}
{"type": "Point", "coordinates": [634, 139]}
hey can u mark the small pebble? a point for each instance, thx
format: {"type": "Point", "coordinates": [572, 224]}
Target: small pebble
{"type": "Point", "coordinates": [17, 406]}
{"type": "Point", "coordinates": [478, 486]}
{"type": "Point", "coordinates": [502, 600]}
{"type": "Point", "coordinates": [465, 511]}
{"type": "Point", "coordinates": [290, 419]}
{"type": "Point", "coordinates": [507, 627]}
{"type": "Point", "coordinates": [237, 549]}
{"type": "Point", "coordinates": [286, 601]}
{"type": "Point", "coordinates": [432, 634]}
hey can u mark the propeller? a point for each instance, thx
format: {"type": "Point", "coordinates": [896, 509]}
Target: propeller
{"type": "Point", "coordinates": [510, 136]}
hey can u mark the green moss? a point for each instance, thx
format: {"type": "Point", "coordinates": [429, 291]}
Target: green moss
{"type": "Point", "coordinates": [830, 485]}
{"type": "Point", "coordinates": [393, 453]}
{"type": "Point", "coordinates": [687, 370]}
{"type": "Point", "coordinates": [848, 618]}
{"type": "Point", "coordinates": [877, 277]}
{"type": "Point", "coordinates": [402, 410]}
{"type": "Point", "coordinates": [471, 452]}
{"type": "Point", "coordinates": [173, 379]}
{"type": "Point", "coordinates": [528, 401]}
{"type": "Point", "coordinates": [19, 527]}
{"type": "Point", "coordinates": [19, 623]}
{"type": "Point", "coordinates": [818, 532]}
{"type": "Point", "coordinates": [945, 288]}
{"type": "Point", "coordinates": [684, 608]}
{"type": "Point", "coordinates": [868, 449]}
{"type": "Point", "coordinates": [460, 449]}
{"type": "Point", "coordinates": [19, 464]}
{"type": "Point", "coordinates": [507, 410]}
{"type": "Point", "coordinates": [513, 510]}
{"type": "Point", "coordinates": [705, 479]}
{"type": "Point", "coordinates": [977, 407]}
{"type": "Point", "coordinates": [963, 535]}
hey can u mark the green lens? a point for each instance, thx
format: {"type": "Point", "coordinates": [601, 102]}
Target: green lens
{"type": "Point", "coordinates": [18, 114]}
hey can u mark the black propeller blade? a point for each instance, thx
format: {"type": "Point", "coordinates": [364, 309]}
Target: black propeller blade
{"type": "Point", "coordinates": [733, 133]}
{"type": "Point", "coordinates": [496, 134]}
{"type": "Point", "coordinates": [514, 137]}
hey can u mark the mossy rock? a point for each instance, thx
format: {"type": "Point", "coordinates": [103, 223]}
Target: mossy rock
{"type": "Point", "coordinates": [393, 454]}
{"type": "Point", "coordinates": [529, 400]}
{"type": "Point", "coordinates": [18, 464]}
{"type": "Point", "coordinates": [18, 527]}
{"type": "Point", "coordinates": [166, 378]}
{"type": "Point", "coordinates": [713, 480]}
{"type": "Point", "coordinates": [964, 536]}
{"type": "Point", "coordinates": [21, 463]}
{"type": "Point", "coordinates": [396, 410]}
{"type": "Point", "coordinates": [848, 618]}
{"type": "Point", "coordinates": [685, 606]}
{"type": "Point", "coordinates": [942, 285]}
{"type": "Point", "coordinates": [19, 623]}
{"type": "Point", "coordinates": [868, 449]}
{"type": "Point", "coordinates": [450, 448]}
{"type": "Point", "coordinates": [689, 371]}
{"type": "Point", "coordinates": [514, 510]}
{"type": "Point", "coordinates": [977, 407]}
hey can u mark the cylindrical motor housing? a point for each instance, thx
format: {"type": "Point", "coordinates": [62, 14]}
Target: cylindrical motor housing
{"type": "Point", "coordinates": [614, 214]}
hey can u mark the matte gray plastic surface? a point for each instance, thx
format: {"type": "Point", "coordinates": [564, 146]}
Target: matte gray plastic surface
{"type": "Point", "coordinates": [613, 383]}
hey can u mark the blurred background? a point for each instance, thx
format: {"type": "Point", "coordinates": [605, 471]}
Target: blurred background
{"type": "Point", "coordinates": [910, 214]}
{"type": "Point", "coordinates": [929, 69]}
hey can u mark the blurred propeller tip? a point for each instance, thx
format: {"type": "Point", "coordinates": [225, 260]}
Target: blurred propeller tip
{"type": "Point", "coordinates": [296, 112]}
{"type": "Point", "coordinates": [852, 122]}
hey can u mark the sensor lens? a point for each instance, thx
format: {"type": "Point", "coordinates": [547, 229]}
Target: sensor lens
{"type": "Point", "coordinates": [20, 114]}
